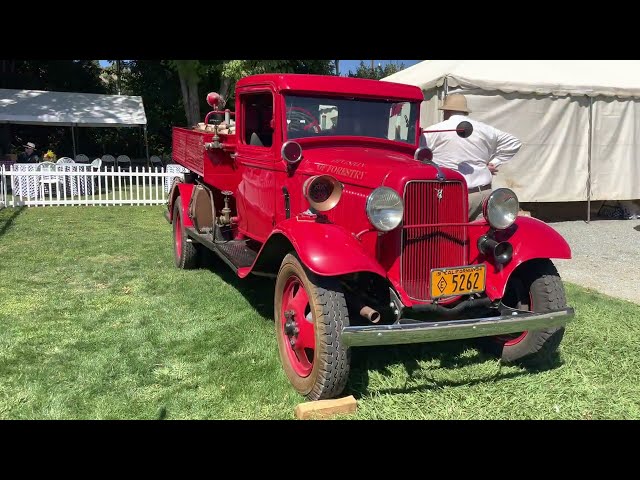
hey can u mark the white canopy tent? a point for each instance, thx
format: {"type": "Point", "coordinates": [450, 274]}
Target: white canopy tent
{"type": "Point", "coordinates": [36, 107]}
{"type": "Point", "coordinates": [579, 121]}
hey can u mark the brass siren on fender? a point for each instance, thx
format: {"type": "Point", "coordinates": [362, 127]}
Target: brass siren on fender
{"type": "Point", "coordinates": [322, 191]}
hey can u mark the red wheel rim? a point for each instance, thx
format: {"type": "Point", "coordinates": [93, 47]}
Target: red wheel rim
{"type": "Point", "coordinates": [178, 235]}
{"type": "Point", "coordinates": [515, 341]}
{"type": "Point", "coordinates": [296, 324]}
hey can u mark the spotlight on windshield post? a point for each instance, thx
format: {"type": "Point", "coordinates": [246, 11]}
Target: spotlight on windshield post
{"type": "Point", "coordinates": [423, 154]}
{"type": "Point", "coordinates": [464, 129]}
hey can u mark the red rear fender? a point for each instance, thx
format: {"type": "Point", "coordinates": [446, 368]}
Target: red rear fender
{"type": "Point", "coordinates": [184, 190]}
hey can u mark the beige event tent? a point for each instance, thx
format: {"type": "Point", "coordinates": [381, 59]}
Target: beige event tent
{"type": "Point", "coordinates": [37, 107]}
{"type": "Point", "coordinates": [579, 121]}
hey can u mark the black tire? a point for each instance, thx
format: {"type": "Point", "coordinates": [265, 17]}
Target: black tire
{"type": "Point", "coordinates": [326, 311]}
{"type": "Point", "coordinates": [535, 286]}
{"type": "Point", "coordinates": [185, 253]}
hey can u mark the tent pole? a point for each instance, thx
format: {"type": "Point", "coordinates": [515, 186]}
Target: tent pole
{"type": "Point", "coordinates": [445, 91]}
{"type": "Point", "coordinates": [73, 138]}
{"type": "Point", "coordinates": [146, 143]}
{"type": "Point", "coordinates": [589, 161]}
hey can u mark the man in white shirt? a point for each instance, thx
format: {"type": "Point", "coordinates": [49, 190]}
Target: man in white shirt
{"type": "Point", "coordinates": [477, 157]}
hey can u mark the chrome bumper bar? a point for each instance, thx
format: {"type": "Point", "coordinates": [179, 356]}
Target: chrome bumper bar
{"type": "Point", "coordinates": [419, 332]}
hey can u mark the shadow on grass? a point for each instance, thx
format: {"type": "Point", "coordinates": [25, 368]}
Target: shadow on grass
{"type": "Point", "coordinates": [258, 291]}
{"type": "Point", "coordinates": [449, 355]}
{"type": "Point", "coordinates": [7, 223]}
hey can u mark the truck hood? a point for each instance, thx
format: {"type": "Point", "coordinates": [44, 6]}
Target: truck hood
{"type": "Point", "coordinates": [369, 166]}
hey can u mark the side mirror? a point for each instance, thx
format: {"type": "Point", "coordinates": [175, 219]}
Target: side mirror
{"type": "Point", "coordinates": [464, 129]}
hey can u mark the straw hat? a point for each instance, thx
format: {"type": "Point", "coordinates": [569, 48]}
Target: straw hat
{"type": "Point", "coordinates": [456, 102]}
{"type": "Point", "coordinates": [30, 145]}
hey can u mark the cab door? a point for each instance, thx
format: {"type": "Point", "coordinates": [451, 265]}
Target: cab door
{"type": "Point", "coordinates": [256, 153]}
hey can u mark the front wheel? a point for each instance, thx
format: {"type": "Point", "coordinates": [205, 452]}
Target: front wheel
{"type": "Point", "coordinates": [310, 313]}
{"type": "Point", "coordinates": [537, 287]}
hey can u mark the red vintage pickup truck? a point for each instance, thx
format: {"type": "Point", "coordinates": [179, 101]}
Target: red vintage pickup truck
{"type": "Point", "coordinates": [320, 183]}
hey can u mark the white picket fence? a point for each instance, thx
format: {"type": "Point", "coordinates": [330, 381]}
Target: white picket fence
{"type": "Point", "coordinates": [87, 187]}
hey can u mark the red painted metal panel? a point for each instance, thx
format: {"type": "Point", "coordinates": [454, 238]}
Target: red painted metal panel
{"type": "Point", "coordinates": [327, 249]}
{"type": "Point", "coordinates": [531, 238]}
{"type": "Point", "coordinates": [333, 85]}
{"type": "Point", "coordinates": [188, 148]}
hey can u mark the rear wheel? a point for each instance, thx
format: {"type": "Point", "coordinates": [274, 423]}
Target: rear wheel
{"type": "Point", "coordinates": [185, 252]}
{"type": "Point", "coordinates": [537, 287]}
{"type": "Point", "coordinates": [310, 313]}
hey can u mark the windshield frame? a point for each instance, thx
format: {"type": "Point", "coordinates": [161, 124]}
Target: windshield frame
{"type": "Point", "coordinates": [414, 106]}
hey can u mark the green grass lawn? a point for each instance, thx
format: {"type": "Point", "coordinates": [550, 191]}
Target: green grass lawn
{"type": "Point", "coordinates": [97, 323]}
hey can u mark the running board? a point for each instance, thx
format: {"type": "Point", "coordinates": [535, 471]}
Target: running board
{"type": "Point", "coordinates": [235, 253]}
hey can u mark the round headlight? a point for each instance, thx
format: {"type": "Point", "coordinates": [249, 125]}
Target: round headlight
{"type": "Point", "coordinates": [501, 208]}
{"type": "Point", "coordinates": [385, 208]}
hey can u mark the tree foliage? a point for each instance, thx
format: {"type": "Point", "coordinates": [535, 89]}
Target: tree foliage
{"type": "Point", "coordinates": [51, 75]}
{"type": "Point", "coordinates": [222, 75]}
{"type": "Point", "coordinates": [378, 72]}
{"type": "Point", "coordinates": [173, 93]}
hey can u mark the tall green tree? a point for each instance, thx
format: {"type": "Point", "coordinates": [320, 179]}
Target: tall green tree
{"type": "Point", "coordinates": [221, 76]}
{"type": "Point", "coordinates": [190, 72]}
{"type": "Point", "coordinates": [51, 75]}
{"type": "Point", "coordinates": [157, 83]}
{"type": "Point", "coordinates": [54, 75]}
{"type": "Point", "coordinates": [378, 72]}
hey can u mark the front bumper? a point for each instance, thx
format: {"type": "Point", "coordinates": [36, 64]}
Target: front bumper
{"type": "Point", "coordinates": [510, 321]}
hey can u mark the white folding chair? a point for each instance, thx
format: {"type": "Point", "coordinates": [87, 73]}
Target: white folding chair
{"type": "Point", "coordinates": [65, 160]}
{"type": "Point", "coordinates": [48, 178]}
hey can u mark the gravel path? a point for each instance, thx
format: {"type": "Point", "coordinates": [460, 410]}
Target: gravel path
{"type": "Point", "coordinates": [606, 256]}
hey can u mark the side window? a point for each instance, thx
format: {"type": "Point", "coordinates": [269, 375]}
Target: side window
{"type": "Point", "coordinates": [400, 122]}
{"type": "Point", "coordinates": [258, 116]}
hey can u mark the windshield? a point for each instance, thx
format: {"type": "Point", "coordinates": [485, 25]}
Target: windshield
{"type": "Point", "coordinates": [322, 116]}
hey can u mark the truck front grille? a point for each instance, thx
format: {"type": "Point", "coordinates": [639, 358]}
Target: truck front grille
{"type": "Point", "coordinates": [424, 248]}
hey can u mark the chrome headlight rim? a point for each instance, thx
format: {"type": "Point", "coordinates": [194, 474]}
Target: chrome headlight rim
{"type": "Point", "coordinates": [497, 212]}
{"type": "Point", "coordinates": [370, 209]}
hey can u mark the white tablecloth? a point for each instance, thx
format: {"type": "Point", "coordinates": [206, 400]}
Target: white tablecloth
{"type": "Point", "coordinates": [24, 185]}
{"type": "Point", "coordinates": [173, 168]}
{"type": "Point", "coordinates": [27, 186]}
{"type": "Point", "coordinates": [78, 184]}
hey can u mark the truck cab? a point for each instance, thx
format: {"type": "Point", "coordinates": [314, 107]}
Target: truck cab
{"type": "Point", "coordinates": [321, 184]}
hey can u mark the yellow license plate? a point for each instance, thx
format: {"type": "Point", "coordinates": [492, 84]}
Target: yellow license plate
{"type": "Point", "coordinates": [446, 282]}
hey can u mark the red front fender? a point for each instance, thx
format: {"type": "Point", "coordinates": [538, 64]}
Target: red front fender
{"type": "Point", "coordinates": [531, 238]}
{"type": "Point", "coordinates": [325, 249]}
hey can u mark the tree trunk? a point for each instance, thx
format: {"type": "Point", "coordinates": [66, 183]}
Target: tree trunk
{"type": "Point", "coordinates": [194, 102]}
{"type": "Point", "coordinates": [225, 92]}
{"type": "Point", "coordinates": [190, 100]}
{"type": "Point", "coordinates": [189, 80]}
